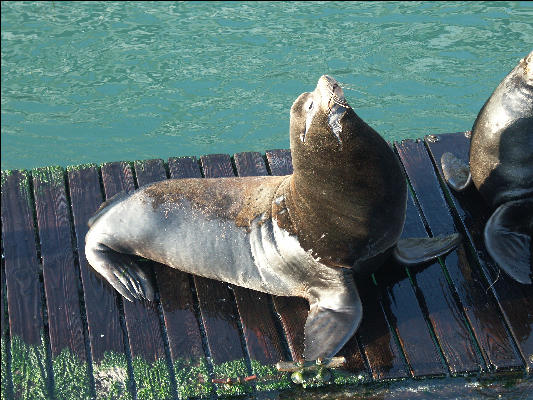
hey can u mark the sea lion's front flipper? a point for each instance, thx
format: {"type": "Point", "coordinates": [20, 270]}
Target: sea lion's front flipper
{"type": "Point", "coordinates": [413, 251]}
{"type": "Point", "coordinates": [332, 321]}
{"type": "Point", "coordinates": [508, 239]}
{"type": "Point", "coordinates": [121, 271]}
{"type": "Point", "coordinates": [456, 172]}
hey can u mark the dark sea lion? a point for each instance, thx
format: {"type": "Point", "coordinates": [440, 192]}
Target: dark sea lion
{"type": "Point", "coordinates": [296, 235]}
{"type": "Point", "coordinates": [501, 167]}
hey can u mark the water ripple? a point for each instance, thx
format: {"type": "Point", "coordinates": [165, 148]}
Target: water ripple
{"type": "Point", "coordinates": [103, 81]}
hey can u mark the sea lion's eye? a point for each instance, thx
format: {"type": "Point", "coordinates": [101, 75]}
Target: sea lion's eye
{"type": "Point", "coordinates": [310, 105]}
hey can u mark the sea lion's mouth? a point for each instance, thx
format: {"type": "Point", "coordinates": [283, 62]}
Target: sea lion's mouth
{"type": "Point", "coordinates": [529, 68]}
{"type": "Point", "coordinates": [334, 120]}
{"type": "Point", "coordinates": [333, 103]}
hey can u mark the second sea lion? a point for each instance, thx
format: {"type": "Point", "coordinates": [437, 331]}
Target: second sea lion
{"type": "Point", "coordinates": [501, 168]}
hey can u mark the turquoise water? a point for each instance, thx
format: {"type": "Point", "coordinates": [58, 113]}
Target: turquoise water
{"type": "Point", "coordinates": [106, 81]}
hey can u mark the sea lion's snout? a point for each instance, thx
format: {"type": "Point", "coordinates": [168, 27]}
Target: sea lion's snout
{"type": "Point", "coordinates": [529, 68]}
{"type": "Point", "coordinates": [331, 93]}
{"type": "Point", "coordinates": [333, 103]}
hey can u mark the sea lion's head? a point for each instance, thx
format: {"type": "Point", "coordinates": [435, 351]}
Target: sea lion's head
{"type": "Point", "coordinates": [328, 139]}
{"type": "Point", "coordinates": [316, 117]}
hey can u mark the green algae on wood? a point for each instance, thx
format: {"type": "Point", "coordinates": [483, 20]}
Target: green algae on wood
{"type": "Point", "coordinates": [6, 385]}
{"type": "Point", "coordinates": [232, 369]}
{"type": "Point", "coordinates": [53, 173]}
{"type": "Point", "coordinates": [81, 166]}
{"type": "Point", "coordinates": [6, 173]}
{"type": "Point", "coordinates": [320, 377]}
{"type": "Point", "coordinates": [152, 379]}
{"type": "Point", "coordinates": [28, 370]}
{"type": "Point", "coordinates": [269, 378]}
{"type": "Point", "coordinates": [192, 379]}
{"type": "Point", "coordinates": [71, 377]}
{"type": "Point", "coordinates": [24, 188]}
{"type": "Point", "coordinates": [341, 377]}
{"type": "Point", "coordinates": [111, 378]}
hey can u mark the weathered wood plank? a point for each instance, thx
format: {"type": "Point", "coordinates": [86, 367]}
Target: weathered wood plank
{"type": "Point", "coordinates": [28, 353]}
{"type": "Point", "coordinates": [263, 340]}
{"type": "Point", "coordinates": [184, 167]}
{"type": "Point", "coordinates": [61, 275]}
{"type": "Point", "coordinates": [218, 307]}
{"type": "Point", "coordinates": [250, 164]}
{"type": "Point", "coordinates": [183, 333]}
{"type": "Point", "coordinates": [480, 307]}
{"type": "Point", "coordinates": [106, 339]}
{"type": "Point", "coordinates": [217, 166]}
{"type": "Point", "coordinates": [401, 306]}
{"type": "Point", "coordinates": [150, 369]}
{"type": "Point", "coordinates": [515, 299]}
{"type": "Point", "coordinates": [6, 381]}
{"type": "Point", "coordinates": [446, 317]}
{"type": "Point", "coordinates": [293, 310]}
{"type": "Point", "coordinates": [436, 300]}
{"type": "Point", "coordinates": [3, 313]}
{"type": "Point", "coordinates": [279, 161]}
{"type": "Point", "coordinates": [384, 356]}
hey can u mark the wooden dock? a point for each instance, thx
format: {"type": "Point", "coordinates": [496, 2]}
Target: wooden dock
{"type": "Point", "coordinates": [68, 335]}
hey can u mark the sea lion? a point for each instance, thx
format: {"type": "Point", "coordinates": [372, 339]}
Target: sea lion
{"type": "Point", "coordinates": [501, 168]}
{"type": "Point", "coordinates": [296, 235]}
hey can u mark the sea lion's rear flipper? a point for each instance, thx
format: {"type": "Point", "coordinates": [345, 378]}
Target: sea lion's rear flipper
{"type": "Point", "coordinates": [331, 324]}
{"type": "Point", "coordinates": [456, 172]}
{"type": "Point", "coordinates": [508, 239]}
{"type": "Point", "coordinates": [413, 251]}
{"type": "Point", "coordinates": [121, 271]}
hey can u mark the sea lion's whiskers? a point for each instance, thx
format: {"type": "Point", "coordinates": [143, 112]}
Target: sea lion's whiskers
{"type": "Point", "coordinates": [347, 87]}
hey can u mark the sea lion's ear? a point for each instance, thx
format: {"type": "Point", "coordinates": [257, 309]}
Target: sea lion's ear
{"type": "Point", "coordinates": [327, 330]}
{"type": "Point", "coordinates": [456, 172]}
{"type": "Point", "coordinates": [508, 239]}
{"type": "Point", "coordinates": [414, 251]}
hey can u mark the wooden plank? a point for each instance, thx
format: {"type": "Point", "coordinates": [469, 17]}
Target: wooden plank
{"type": "Point", "coordinates": [61, 280]}
{"type": "Point", "coordinates": [403, 311]}
{"type": "Point", "coordinates": [436, 299]}
{"type": "Point", "coordinates": [250, 164]}
{"type": "Point", "coordinates": [3, 313]}
{"type": "Point", "coordinates": [384, 357]}
{"type": "Point", "coordinates": [480, 307]}
{"type": "Point", "coordinates": [6, 380]}
{"type": "Point", "coordinates": [263, 340]}
{"type": "Point", "coordinates": [516, 300]}
{"type": "Point", "coordinates": [184, 167]}
{"type": "Point", "coordinates": [150, 369]}
{"type": "Point", "coordinates": [106, 338]}
{"type": "Point", "coordinates": [279, 161]}
{"type": "Point", "coordinates": [293, 310]}
{"type": "Point", "coordinates": [183, 332]}
{"type": "Point", "coordinates": [218, 308]}
{"type": "Point", "coordinates": [28, 353]}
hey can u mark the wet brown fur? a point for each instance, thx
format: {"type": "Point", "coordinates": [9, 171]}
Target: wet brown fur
{"type": "Point", "coordinates": [238, 199]}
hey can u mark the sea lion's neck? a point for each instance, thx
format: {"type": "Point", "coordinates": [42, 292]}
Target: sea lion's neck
{"type": "Point", "coordinates": [350, 203]}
